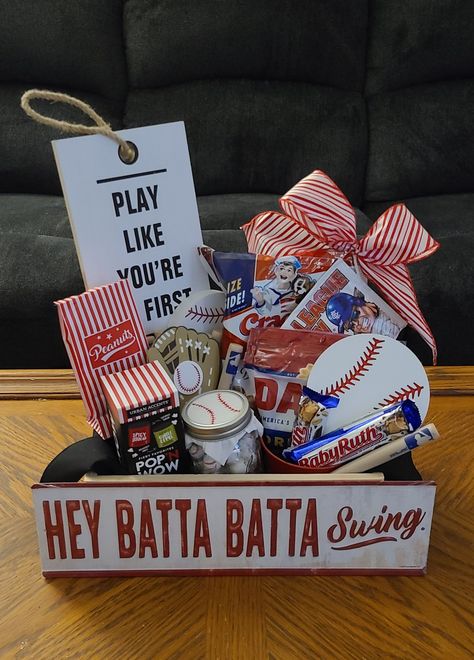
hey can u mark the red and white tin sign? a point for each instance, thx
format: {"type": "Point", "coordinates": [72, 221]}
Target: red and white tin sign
{"type": "Point", "coordinates": [264, 524]}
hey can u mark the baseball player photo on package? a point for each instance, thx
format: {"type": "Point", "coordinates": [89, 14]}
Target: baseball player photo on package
{"type": "Point", "coordinates": [342, 302]}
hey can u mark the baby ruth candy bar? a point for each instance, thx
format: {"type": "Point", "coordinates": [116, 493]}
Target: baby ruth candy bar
{"type": "Point", "coordinates": [328, 452]}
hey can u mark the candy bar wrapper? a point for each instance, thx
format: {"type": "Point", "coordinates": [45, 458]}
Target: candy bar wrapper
{"type": "Point", "coordinates": [277, 362]}
{"type": "Point", "coordinates": [328, 452]}
{"type": "Point", "coordinates": [312, 412]}
{"type": "Point", "coordinates": [261, 291]}
{"type": "Point", "coordinates": [102, 333]}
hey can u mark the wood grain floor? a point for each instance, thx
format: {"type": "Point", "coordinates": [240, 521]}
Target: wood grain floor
{"type": "Point", "coordinates": [237, 617]}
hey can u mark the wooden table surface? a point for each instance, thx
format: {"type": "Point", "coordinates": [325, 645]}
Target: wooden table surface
{"type": "Point", "coordinates": [232, 617]}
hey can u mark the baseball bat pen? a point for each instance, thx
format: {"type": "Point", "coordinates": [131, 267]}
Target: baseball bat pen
{"type": "Point", "coordinates": [229, 366]}
{"type": "Point", "coordinates": [391, 450]}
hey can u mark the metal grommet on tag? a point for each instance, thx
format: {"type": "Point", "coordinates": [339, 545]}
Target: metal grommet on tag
{"type": "Point", "coordinates": [128, 158]}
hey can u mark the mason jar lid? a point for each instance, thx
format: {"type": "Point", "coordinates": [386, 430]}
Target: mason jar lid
{"type": "Point", "coordinates": [216, 415]}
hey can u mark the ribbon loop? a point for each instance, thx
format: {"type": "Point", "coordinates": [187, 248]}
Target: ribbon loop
{"type": "Point", "coordinates": [396, 237]}
{"type": "Point", "coordinates": [317, 215]}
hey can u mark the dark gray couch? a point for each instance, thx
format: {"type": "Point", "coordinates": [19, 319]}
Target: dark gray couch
{"type": "Point", "coordinates": [379, 94]}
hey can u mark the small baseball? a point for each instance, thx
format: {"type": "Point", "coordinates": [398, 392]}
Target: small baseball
{"type": "Point", "coordinates": [188, 377]}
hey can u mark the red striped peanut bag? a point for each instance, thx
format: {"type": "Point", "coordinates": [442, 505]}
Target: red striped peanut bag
{"type": "Point", "coordinates": [103, 334]}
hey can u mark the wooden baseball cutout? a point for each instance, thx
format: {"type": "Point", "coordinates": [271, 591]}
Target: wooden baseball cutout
{"type": "Point", "coordinates": [203, 311]}
{"type": "Point", "coordinates": [368, 372]}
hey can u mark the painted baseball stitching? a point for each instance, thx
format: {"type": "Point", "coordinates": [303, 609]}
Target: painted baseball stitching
{"type": "Point", "coordinates": [226, 404]}
{"type": "Point", "coordinates": [359, 369]}
{"type": "Point", "coordinates": [182, 386]}
{"type": "Point", "coordinates": [407, 392]}
{"type": "Point", "coordinates": [199, 405]}
{"type": "Point", "coordinates": [205, 314]}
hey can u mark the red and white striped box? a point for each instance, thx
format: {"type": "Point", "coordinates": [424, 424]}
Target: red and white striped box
{"type": "Point", "coordinates": [143, 404]}
{"type": "Point", "coordinates": [102, 333]}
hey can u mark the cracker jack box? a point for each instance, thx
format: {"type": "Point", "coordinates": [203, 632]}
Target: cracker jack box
{"type": "Point", "coordinates": [261, 291]}
{"type": "Point", "coordinates": [234, 525]}
{"type": "Point", "coordinates": [143, 405]}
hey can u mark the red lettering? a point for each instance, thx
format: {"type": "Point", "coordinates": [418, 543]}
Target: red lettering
{"type": "Point", "coordinates": [293, 506]}
{"type": "Point", "coordinates": [316, 308]}
{"type": "Point", "coordinates": [266, 393]}
{"type": "Point", "coordinates": [255, 535]}
{"type": "Point", "coordinates": [339, 279]}
{"type": "Point", "coordinates": [290, 399]}
{"type": "Point", "coordinates": [125, 518]}
{"type": "Point", "coordinates": [164, 506]}
{"type": "Point", "coordinates": [93, 524]}
{"type": "Point", "coordinates": [201, 531]}
{"type": "Point", "coordinates": [383, 523]}
{"type": "Point", "coordinates": [275, 505]}
{"type": "Point", "coordinates": [410, 522]}
{"type": "Point", "coordinates": [309, 538]}
{"type": "Point", "coordinates": [337, 532]}
{"type": "Point", "coordinates": [147, 531]}
{"type": "Point", "coordinates": [255, 321]}
{"type": "Point", "coordinates": [235, 537]}
{"type": "Point", "coordinates": [54, 530]}
{"type": "Point", "coordinates": [247, 323]}
{"type": "Point", "coordinates": [75, 529]}
{"type": "Point", "coordinates": [306, 317]}
{"type": "Point", "coordinates": [183, 506]}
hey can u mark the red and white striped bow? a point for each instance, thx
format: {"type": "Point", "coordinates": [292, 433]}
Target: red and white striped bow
{"type": "Point", "coordinates": [318, 215]}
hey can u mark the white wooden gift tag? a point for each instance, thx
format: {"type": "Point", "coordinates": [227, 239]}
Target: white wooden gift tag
{"type": "Point", "coordinates": [137, 221]}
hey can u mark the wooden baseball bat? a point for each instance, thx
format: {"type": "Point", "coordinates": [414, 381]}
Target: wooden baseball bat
{"type": "Point", "coordinates": [391, 450]}
{"type": "Point", "coordinates": [234, 352]}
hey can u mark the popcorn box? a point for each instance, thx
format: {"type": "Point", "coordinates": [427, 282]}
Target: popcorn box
{"type": "Point", "coordinates": [144, 411]}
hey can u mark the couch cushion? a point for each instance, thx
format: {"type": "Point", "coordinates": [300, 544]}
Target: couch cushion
{"type": "Point", "coordinates": [269, 90]}
{"type": "Point", "coordinates": [64, 44]}
{"type": "Point", "coordinates": [177, 41]}
{"type": "Point", "coordinates": [43, 215]}
{"type": "Point", "coordinates": [261, 137]}
{"type": "Point", "coordinates": [444, 281]}
{"type": "Point", "coordinates": [232, 211]}
{"type": "Point", "coordinates": [419, 42]}
{"type": "Point", "coordinates": [27, 163]}
{"type": "Point", "coordinates": [419, 141]}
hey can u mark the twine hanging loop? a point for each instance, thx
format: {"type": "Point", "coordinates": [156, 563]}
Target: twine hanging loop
{"type": "Point", "coordinates": [101, 127]}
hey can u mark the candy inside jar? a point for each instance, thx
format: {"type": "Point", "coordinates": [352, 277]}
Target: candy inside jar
{"type": "Point", "coordinates": [222, 434]}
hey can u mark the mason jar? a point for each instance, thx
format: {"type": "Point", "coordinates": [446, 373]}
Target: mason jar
{"type": "Point", "coordinates": [222, 433]}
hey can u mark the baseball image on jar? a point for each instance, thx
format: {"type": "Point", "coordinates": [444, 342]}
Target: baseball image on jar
{"type": "Point", "coordinates": [341, 302]}
{"type": "Point", "coordinates": [222, 434]}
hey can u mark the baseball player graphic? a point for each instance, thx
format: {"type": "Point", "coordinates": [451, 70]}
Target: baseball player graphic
{"type": "Point", "coordinates": [276, 296]}
{"type": "Point", "coordinates": [356, 315]}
